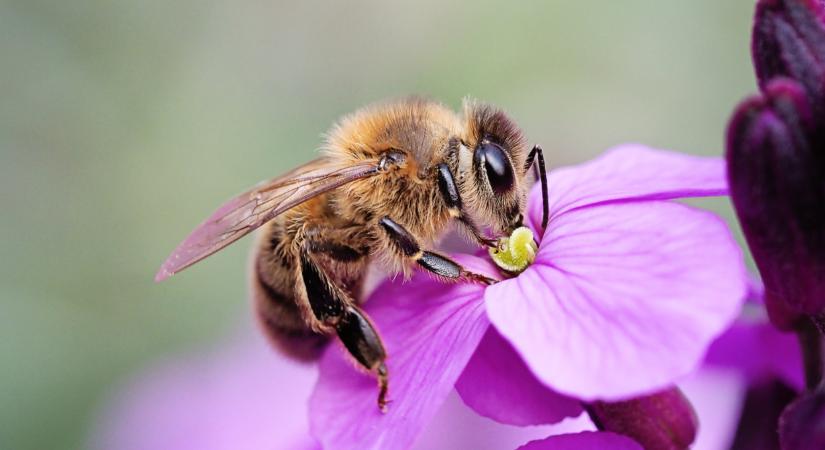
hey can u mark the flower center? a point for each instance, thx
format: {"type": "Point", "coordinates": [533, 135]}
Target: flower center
{"type": "Point", "coordinates": [516, 252]}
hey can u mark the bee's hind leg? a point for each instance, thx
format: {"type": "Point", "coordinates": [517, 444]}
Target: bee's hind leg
{"type": "Point", "coordinates": [359, 336]}
{"type": "Point", "coordinates": [333, 307]}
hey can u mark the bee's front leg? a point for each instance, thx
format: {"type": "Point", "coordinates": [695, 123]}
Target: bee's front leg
{"type": "Point", "coordinates": [452, 198]}
{"type": "Point", "coordinates": [440, 265]}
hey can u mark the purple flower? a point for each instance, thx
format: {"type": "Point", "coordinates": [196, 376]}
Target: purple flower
{"type": "Point", "coordinates": [627, 291]}
{"type": "Point", "coordinates": [246, 397]}
{"type": "Point", "coordinates": [776, 163]}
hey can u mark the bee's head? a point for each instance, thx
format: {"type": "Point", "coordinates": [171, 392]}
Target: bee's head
{"type": "Point", "coordinates": [491, 161]}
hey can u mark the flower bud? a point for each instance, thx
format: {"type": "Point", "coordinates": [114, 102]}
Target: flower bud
{"type": "Point", "coordinates": [802, 425]}
{"type": "Point", "coordinates": [789, 41]}
{"type": "Point", "coordinates": [764, 403]}
{"type": "Point", "coordinates": [776, 169]}
{"type": "Point", "coordinates": [661, 421]}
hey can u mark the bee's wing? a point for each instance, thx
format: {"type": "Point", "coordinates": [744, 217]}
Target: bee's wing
{"type": "Point", "coordinates": [248, 211]}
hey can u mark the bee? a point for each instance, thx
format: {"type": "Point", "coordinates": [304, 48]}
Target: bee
{"type": "Point", "coordinates": [391, 179]}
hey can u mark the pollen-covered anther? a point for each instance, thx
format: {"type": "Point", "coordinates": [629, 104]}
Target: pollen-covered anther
{"type": "Point", "coordinates": [516, 252]}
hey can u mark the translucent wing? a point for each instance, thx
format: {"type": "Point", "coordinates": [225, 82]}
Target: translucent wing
{"type": "Point", "coordinates": [248, 211]}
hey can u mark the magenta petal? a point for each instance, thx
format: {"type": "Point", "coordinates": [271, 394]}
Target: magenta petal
{"type": "Point", "coordinates": [629, 172]}
{"type": "Point", "coordinates": [717, 396]}
{"type": "Point", "coordinates": [759, 351]}
{"type": "Point", "coordinates": [430, 330]}
{"type": "Point", "coordinates": [623, 299]}
{"type": "Point", "coordinates": [586, 440]}
{"type": "Point", "coordinates": [458, 427]}
{"type": "Point", "coordinates": [497, 384]}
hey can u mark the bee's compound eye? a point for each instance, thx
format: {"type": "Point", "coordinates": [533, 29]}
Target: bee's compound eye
{"type": "Point", "coordinates": [497, 165]}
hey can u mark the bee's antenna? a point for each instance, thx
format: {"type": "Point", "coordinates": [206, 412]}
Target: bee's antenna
{"type": "Point", "coordinates": [531, 157]}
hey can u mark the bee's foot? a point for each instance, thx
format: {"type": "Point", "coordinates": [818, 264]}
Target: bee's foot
{"type": "Point", "coordinates": [479, 278]}
{"type": "Point", "coordinates": [383, 387]}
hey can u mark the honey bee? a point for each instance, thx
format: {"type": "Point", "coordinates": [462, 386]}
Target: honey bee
{"type": "Point", "coordinates": [391, 179]}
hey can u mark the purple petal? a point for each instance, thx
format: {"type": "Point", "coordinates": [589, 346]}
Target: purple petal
{"type": "Point", "coordinates": [587, 440]}
{"type": "Point", "coordinates": [623, 299]}
{"type": "Point", "coordinates": [458, 427]}
{"type": "Point", "coordinates": [716, 396]}
{"type": "Point", "coordinates": [430, 330]}
{"type": "Point", "coordinates": [498, 385]}
{"type": "Point", "coordinates": [759, 351]}
{"type": "Point", "coordinates": [630, 172]}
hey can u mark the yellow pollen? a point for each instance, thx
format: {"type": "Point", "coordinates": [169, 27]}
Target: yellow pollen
{"type": "Point", "coordinates": [516, 252]}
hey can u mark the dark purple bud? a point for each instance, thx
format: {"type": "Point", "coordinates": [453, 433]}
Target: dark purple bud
{"type": "Point", "coordinates": [660, 421]}
{"type": "Point", "coordinates": [789, 41]}
{"type": "Point", "coordinates": [777, 182]}
{"type": "Point", "coordinates": [764, 403]}
{"type": "Point", "coordinates": [802, 425]}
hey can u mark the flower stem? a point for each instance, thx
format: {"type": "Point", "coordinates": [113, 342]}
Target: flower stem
{"type": "Point", "coordinates": [810, 334]}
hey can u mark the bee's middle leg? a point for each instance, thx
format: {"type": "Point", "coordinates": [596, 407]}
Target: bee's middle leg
{"type": "Point", "coordinates": [334, 308]}
{"type": "Point", "coordinates": [433, 262]}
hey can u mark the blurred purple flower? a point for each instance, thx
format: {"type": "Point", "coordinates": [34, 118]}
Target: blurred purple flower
{"type": "Point", "coordinates": [244, 397]}
{"type": "Point", "coordinates": [626, 293]}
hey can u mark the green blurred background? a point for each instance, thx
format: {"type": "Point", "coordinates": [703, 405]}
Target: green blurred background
{"type": "Point", "coordinates": [122, 124]}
